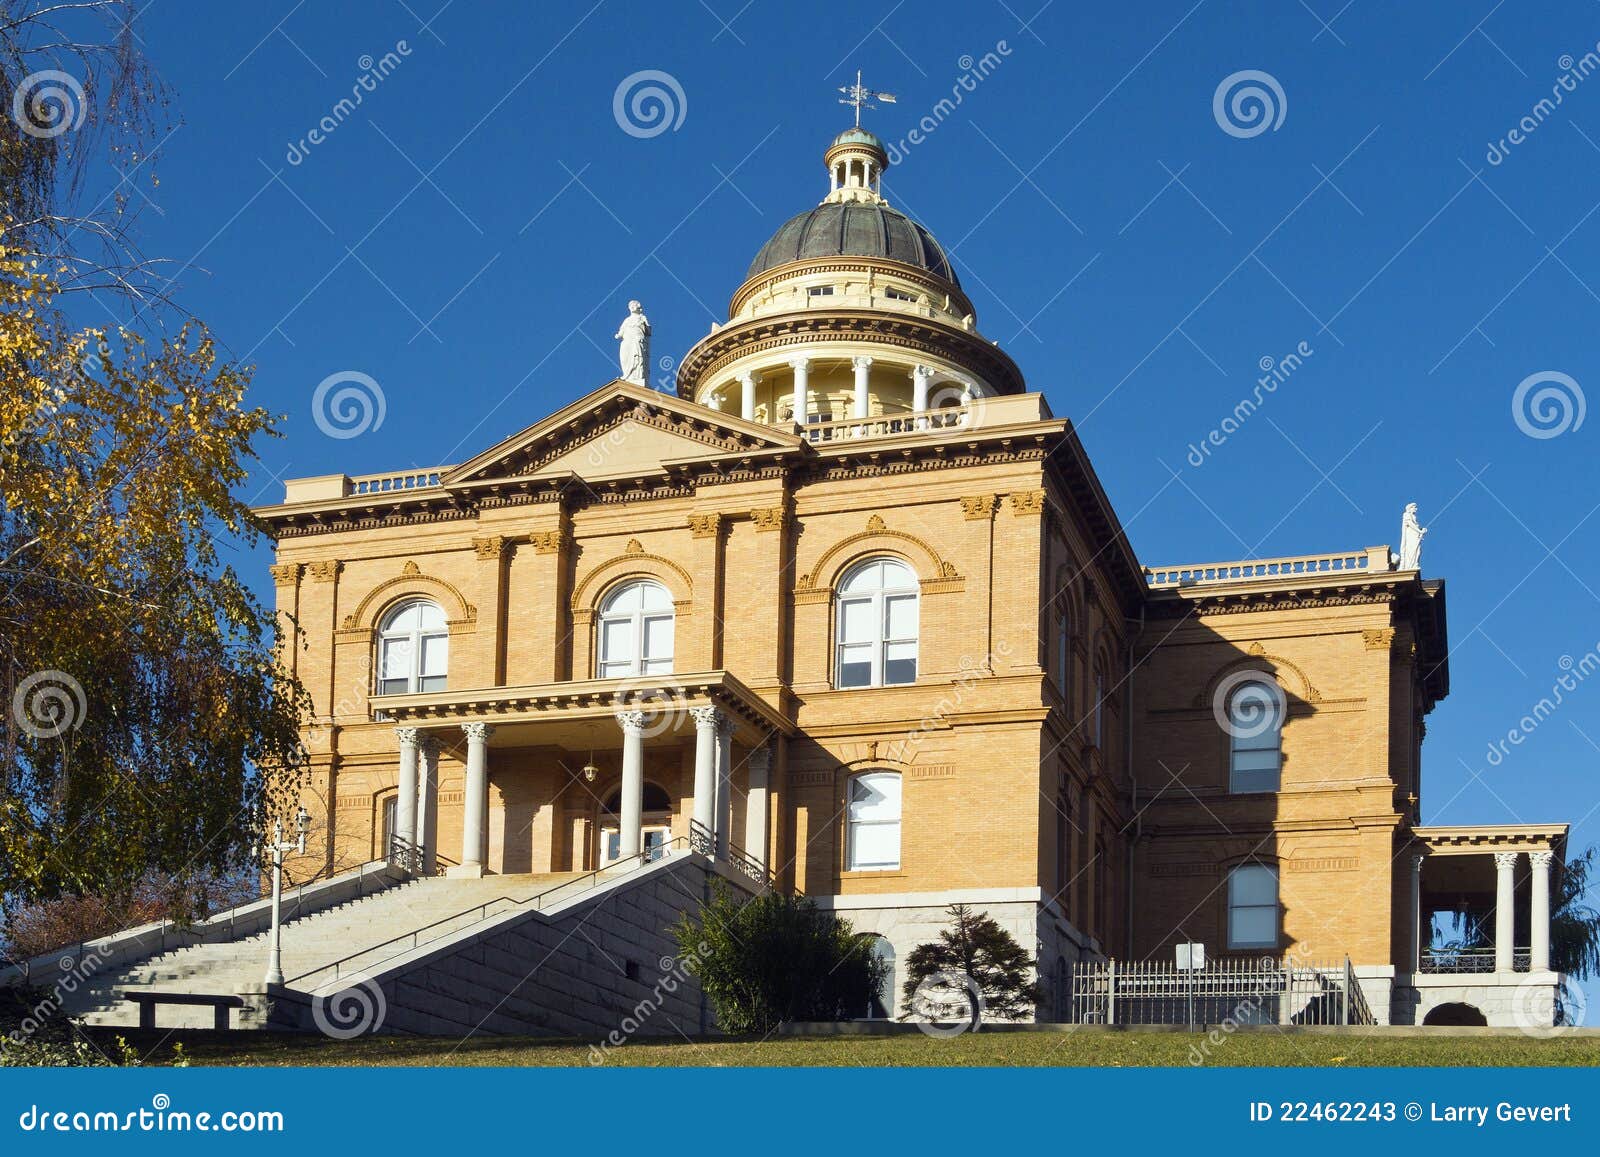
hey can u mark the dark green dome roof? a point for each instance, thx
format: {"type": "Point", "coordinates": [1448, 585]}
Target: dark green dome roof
{"type": "Point", "coordinates": [857, 136]}
{"type": "Point", "coordinates": [854, 230]}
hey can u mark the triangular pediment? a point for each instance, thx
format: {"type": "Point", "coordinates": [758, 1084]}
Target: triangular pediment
{"type": "Point", "coordinates": [622, 429]}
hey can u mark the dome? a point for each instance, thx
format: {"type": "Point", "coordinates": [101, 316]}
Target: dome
{"type": "Point", "coordinates": [857, 136]}
{"type": "Point", "coordinates": [854, 230]}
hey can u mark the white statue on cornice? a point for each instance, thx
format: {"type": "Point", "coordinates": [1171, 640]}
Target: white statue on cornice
{"type": "Point", "coordinates": [634, 334]}
{"type": "Point", "coordinates": [1411, 533]}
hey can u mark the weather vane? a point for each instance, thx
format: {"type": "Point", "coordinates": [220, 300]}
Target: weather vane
{"type": "Point", "coordinates": [862, 97]}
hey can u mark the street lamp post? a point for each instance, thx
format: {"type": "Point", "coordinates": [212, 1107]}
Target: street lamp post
{"type": "Point", "coordinates": [302, 823]}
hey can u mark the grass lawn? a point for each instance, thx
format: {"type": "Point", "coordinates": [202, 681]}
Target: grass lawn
{"type": "Point", "coordinates": [982, 1048]}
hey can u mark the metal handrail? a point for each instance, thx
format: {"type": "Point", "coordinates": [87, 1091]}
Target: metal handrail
{"type": "Point", "coordinates": [695, 841]}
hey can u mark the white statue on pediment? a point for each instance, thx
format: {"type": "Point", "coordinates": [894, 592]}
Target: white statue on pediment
{"type": "Point", "coordinates": [634, 356]}
{"type": "Point", "coordinates": [1411, 533]}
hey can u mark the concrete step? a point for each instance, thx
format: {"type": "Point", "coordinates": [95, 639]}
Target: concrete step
{"type": "Point", "coordinates": [309, 943]}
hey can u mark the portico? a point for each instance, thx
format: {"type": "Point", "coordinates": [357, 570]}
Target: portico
{"type": "Point", "coordinates": [562, 756]}
{"type": "Point", "coordinates": [1480, 912]}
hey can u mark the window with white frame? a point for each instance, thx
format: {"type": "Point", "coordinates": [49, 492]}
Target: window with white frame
{"type": "Point", "coordinates": [877, 625]}
{"type": "Point", "coordinates": [1253, 906]}
{"type": "Point", "coordinates": [636, 631]}
{"type": "Point", "coordinates": [413, 649]}
{"type": "Point", "coordinates": [1255, 737]}
{"type": "Point", "coordinates": [873, 842]}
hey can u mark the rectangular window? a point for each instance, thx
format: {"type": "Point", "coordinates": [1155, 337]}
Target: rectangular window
{"type": "Point", "coordinates": [1253, 907]}
{"type": "Point", "coordinates": [899, 295]}
{"type": "Point", "coordinates": [820, 291]}
{"type": "Point", "coordinates": [390, 808]}
{"type": "Point", "coordinates": [394, 667]}
{"type": "Point", "coordinates": [435, 662]}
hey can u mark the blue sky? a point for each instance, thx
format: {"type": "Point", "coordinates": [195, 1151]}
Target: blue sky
{"type": "Point", "coordinates": [470, 235]}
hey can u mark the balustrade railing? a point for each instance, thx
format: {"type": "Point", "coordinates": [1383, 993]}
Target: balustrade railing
{"type": "Point", "coordinates": [1372, 559]}
{"type": "Point", "coordinates": [1449, 960]}
{"type": "Point", "coordinates": [883, 425]}
{"type": "Point", "coordinates": [403, 480]}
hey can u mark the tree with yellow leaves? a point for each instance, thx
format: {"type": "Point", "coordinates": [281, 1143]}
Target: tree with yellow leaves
{"type": "Point", "coordinates": [145, 728]}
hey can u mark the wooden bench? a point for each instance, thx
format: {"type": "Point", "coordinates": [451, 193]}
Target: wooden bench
{"type": "Point", "coordinates": [147, 1002]}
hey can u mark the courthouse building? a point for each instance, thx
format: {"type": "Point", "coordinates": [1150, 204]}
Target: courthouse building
{"type": "Point", "coordinates": [846, 607]}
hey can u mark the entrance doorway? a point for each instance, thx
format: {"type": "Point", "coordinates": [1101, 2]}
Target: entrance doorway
{"type": "Point", "coordinates": [657, 826]}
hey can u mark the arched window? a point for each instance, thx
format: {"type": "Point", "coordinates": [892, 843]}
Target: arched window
{"type": "Point", "coordinates": [882, 1004]}
{"type": "Point", "coordinates": [877, 613]}
{"type": "Point", "coordinates": [1255, 736]}
{"type": "Point", "coordinates": [413, 649]}
{"type": "Point", "coordinates": [873, 841]}
{"type": "Point", "coordinates": [1253, 906]}
{"type": "Point", "coordinates": [636, 631]}
{"type": "Point", "coordinates": [1063, 649]}
{"type": "Point", "coordinates": [1098, 719]}
{"type": "Point", "coordinates": [655, 828]}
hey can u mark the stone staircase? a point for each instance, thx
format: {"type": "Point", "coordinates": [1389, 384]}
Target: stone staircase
{"type": "Point", "coordinates": [356, 936]}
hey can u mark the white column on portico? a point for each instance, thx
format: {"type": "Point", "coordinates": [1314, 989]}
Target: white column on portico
{"type": "Point", "coordinates": [706, 722]}
{"type": "Point", "coordinates": [724, 785]}
{"type": "Point", "coordinates": [404, 836]}
{"type": "Point", "coordinates": [919, 390]}
{"type": "Point", "coordinates": [475, 805]}
{"type": "Point", "coordinates": [1539, 942]}
{"type": "Point", "coordinates": [428, 802]}
{"type": "Point", "coordinates": [631, 813]}
{"type": "Point", "coordinates": [755, 814]}
{"type": "Point", "coordinates": [1416, 914]}
{"type": "Point", "coordinates": [747, 396]}
{"type": "Point", "coordinates": [802, 388]}
{"type": "Point", "coordinates": [1505, 864]}
{"type": "Point", "coordinates": [863, 398]}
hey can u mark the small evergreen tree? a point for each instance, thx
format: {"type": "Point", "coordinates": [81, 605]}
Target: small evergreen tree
{"type": "Point", "coordinates": [775, 958]}
{"type": "Point", "coordinates": [976, 947]}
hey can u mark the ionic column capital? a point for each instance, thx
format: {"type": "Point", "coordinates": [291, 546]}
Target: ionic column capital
{"type": "Point", "coordinates": [709, 718]}
{"type": "Point", "coordinates": [477, 732]}
{"type": "Point", "coordinates": [748, 377]}
{"type": "Point", "coordinates": [632, 723]}
{"type": "Point", "coordinates": [1541, 860]}
{"type": "Point", "coordinates": [1505, 861]}
{"type": "Point", "coordinates": [407, 736]}
{"type": "Point", "coordinates": [800, 364]}
{"type": "Point", "coordinates": [861, 362]}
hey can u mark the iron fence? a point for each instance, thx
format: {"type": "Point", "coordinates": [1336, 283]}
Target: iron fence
{"type": "Point", "coordinates": [1248, 991]}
